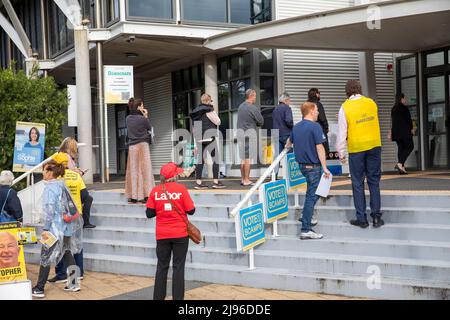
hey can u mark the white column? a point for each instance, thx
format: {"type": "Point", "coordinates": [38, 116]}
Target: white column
{"type": "Point", "coordinates": [211, 79]}
{"type": "Point", "coordinates": [84, 114]}
{"type": "Point", "coordinates": [367, 74]}
{"type": "Point", "coordinates": [122, 10]}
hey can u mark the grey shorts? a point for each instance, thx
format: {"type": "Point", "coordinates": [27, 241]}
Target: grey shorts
{"type": "Point", "coordinates": [244, 148]}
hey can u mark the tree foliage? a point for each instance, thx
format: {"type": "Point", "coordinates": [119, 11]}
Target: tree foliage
{"type": "Point", "coordinates": [34, 99]}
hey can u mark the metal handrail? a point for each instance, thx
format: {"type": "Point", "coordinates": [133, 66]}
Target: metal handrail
{"type": "Point", "coordinates": [259, 182]}
{"type": "Point", "coordinates": [29, 172]}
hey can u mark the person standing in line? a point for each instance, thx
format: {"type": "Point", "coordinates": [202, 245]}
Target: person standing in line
{"type": "Point", "coordinates": [170, 203]}
{"type": "Point", "coordinates": [314, 97]}
{"type": "Point", "coordinates": [282, 120]}
{"type": "Point", "coordinates": [69, 146]}
{"type": "Point", "coordinates": [139, 177]}
{"type": "Point", "coordinates": [249, 117]}
{"type": "Point", "coordinates": [307, 137]}
{"type": "Point", "coordinates": [205, 116]}
{"type": "Point", "coordinates": [402, 131]}
{"type": "Point", "coordinates": [359, 129]}
{"type": "Point", "coordinates": [9, 201]}
{"type": "Point", "coordinates": [58, 223]}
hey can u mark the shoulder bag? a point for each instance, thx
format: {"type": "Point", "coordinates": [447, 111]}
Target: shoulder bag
{"type": "Point", "coordinates": [193, 232]}
{"type": "Point", "coordinates": [4, 216]}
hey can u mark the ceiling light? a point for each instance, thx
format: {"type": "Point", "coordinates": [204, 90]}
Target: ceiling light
{"type": "Point", "coordinates": [131, 55]}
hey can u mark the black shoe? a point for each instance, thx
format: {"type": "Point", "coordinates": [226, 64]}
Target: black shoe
{"type": "Point", "coordinates": [377, 222]}
{"type": "Point", "coordinates": [218, 185]}
{"type": "Point", "coordinates": [360, 224]}
{"type": "Point", "coordinates": [38, 293]}
{"type": "Point", "coordinates": [201, 186]}
{"type": "Point", "coordinates": [56, 279]}
{"type": "Point", "coordinates": [132, 201]}
{"type": "Point", "coordinates": [89, 226]}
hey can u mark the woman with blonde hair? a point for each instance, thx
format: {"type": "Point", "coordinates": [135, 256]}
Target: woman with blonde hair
{"type": "Point", "coordinates": [70, 147]}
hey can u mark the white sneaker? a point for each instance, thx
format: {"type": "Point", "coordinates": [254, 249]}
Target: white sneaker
{"type": "Point", "coordinates": [310, 235]}
{"type": "Point", "coordinates": [314, 222]}
{"type": "Point", "coordinates": [72, 289]}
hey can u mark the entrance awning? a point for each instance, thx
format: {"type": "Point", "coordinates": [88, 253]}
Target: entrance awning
{"type": "Point", "coordinates": [405, 26]}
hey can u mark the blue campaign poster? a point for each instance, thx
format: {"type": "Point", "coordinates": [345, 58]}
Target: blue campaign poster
{"type": "Point", "coordinates": [251, 227]}
{"type": "Point", "coordinates": [294, 176]}
{"type": "Point", "coordinates": [274, 197]}
{"type": "Point", "coordinates": [29, 145]}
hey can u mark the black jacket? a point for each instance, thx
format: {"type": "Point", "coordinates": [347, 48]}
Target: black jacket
{"type": "Point", "coordinates": [199, 114]}
{"type": "Point", "coordinates": [12, 206]}
{"type": "Point", "coordinates": [401, 123]}
{"type": "Point", "coordinates": [322, 120]}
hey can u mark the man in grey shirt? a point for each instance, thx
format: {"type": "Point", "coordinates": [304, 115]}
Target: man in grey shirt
{"type": "Point", "coordinates": [249, 117]}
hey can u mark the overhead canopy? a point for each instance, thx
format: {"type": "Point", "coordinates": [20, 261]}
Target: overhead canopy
{"type": "Point", "coordinates": [405, 26]}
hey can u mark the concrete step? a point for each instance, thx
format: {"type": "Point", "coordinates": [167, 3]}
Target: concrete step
{"type": "Point", "coordinates": [305, 261]}
{"type": "Point", "coordinates": [278, 278]}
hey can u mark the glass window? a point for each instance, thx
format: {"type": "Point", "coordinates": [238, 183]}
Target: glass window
{"type": "Point", "coordinates": [246, 60]}
{"type": "Point", "coordinates": [223, 70]}
{"type": "Point", "coordinates": [261, 11]}
{"type": "Point", "coordinates": [224, 123]}
{"type": "Point", "coordinates": [238, 89]}
{"type": "Point", "coordinates": [435, 59]}
{"type": "Point", "coordinates": [186, 79]}
{"type": "Point", "coordinates": [235, 67]}
{"type": "Point", "coordinates": [240, 11]}
{"type": "Point", "coordinates": [204, 10]}
{"type": "Point", "coordinates": [265, 61]}
{"type": "Point", "coordinates": [111, 10]}
{"type": "Point", "coordinates": [150, 9]}
{"type": "Point", "coordinates": [408, 67]}
{"type": "Point", "coordinates": [436, 89]}
{"type": "Point", "coordinates": [224, 95]}
{"type": "Point", "coordinates": [409, 88]}
{"type": "Point", "coordinates": [181, 106]}
{"type": "Point", "coordinates": [195, 98]}
{"type": "Point", "coordinates": [266, 91]}
{"type": "Point", "coordinates": [195, 77]}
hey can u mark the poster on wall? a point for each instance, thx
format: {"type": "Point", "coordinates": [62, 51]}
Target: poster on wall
{"type": "Point", "coordinates": [29, 145]}
{"type": "Point", "coordinates": [119, 85]}
{"type": "Point", "coordinates": [12, 260]}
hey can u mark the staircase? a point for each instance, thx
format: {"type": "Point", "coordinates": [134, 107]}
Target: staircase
{"type": "Point", "coordinates": [409, 255]}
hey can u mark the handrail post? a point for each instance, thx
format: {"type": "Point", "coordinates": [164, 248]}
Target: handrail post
{"type": "Point", "coordinates": [251, 253]}
{"type": "Point", "coordinates": [33, 199]}
{"type": "Point", "coordinates": [275, 223]}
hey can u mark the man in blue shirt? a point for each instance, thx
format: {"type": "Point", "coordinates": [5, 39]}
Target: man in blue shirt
{"type": "Point", "coordinates": [307, 137]}
{"type": "Point", "coordinates": [283, 121]}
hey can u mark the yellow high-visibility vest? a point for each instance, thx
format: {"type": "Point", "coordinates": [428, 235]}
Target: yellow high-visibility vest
{"type": "Point", "coordinates": [363, 128]}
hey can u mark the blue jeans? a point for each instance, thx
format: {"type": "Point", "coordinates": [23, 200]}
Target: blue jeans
{"type": "Point", "coordinates": [366, 164]}
{"type": "Point", "coordinates": [312, 176]}
{"type": "Point", "coordinates": [60, 268]}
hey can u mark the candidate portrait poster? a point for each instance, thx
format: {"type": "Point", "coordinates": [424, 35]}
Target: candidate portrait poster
{"type": "Point", "coordinates": [29, 145]}
{"type": "Point", "coordinates": [12, 260]}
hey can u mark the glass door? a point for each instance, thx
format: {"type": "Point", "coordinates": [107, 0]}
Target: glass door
{"type": "Point", "coordinates": [122, 147]}
{"type": "Point", "coordinates": [437, 126]}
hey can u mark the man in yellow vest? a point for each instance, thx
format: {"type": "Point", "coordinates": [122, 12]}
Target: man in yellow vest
{"type": "Point", "coordinates": [359, 129]}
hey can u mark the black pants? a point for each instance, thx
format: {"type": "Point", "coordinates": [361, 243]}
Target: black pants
{"type": "Point", "coordinates": [405, 147]}
{"type": "Point", "coordinates": [164, 249]}
{"type": "Point", "coordinates": [45, 271]}
{"type": "Point", "coordinates": [199, 166]}
{"type": "Point", "coordinates": [86, 201]}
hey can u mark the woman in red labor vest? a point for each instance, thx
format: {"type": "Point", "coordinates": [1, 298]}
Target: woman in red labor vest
{"type": "Point", "coordinates": [170, 202]}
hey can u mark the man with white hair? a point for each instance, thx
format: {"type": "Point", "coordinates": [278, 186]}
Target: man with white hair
{"type": "Point", "coordinates": [9, 251]}
{"type": "Point", "coordinates": [10, 206]}
{"type": "Point", "coordinates": [282, 120]}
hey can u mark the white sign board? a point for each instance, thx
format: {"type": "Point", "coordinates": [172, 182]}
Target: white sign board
{"type": "Point", "coordinates": [20, 290]}
{"type": "Point", "coordinates": [119, 85]}
{"type": "Point", "coordinates": [72, 109]}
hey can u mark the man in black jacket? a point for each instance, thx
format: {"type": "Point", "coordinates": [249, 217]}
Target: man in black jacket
{"type": "Point", "coordinates": [314, 97]}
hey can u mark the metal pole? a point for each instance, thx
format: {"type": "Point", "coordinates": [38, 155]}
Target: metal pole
{"type": "Point", "coordinates": [100, 93]}
{"type": "Point", "coordinates": [33, 199]}
{"type": "Point", "coordinates": [296, 204]}
{"type": "Point", "coordinates": [275, 223]}
{"type": "Point", "coordinates": [44, 34]}
{"type": "Point", "coordinates": [251, 256]}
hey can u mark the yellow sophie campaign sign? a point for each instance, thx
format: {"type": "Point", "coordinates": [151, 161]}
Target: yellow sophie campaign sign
{"type": "Point", "coordinates": [12, 261]}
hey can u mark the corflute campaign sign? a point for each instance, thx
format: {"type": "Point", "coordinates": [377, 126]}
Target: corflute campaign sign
{"type": "Point", "coordinates": [294, 175]}
{"type": "Point", "coordinates": [250, 227]}
{"type": "Point", "coordinates": [29, 145]}
{"type": "Point", "coordinates": [274, 197]}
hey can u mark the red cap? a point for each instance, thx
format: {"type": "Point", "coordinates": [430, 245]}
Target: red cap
{"type": "Point", "coordinates": [170, 170]}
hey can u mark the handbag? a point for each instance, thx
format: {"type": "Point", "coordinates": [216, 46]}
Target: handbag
{"type": "Point", "coordinates": [193, 232]}
{"type": "Point", "coordinates": [4, 216]}
{"type": "Point", "coordinates": [73, 210]}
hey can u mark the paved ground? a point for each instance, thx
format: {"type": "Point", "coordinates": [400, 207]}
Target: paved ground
{"type": "Point", "coordinates": [99, 286]}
